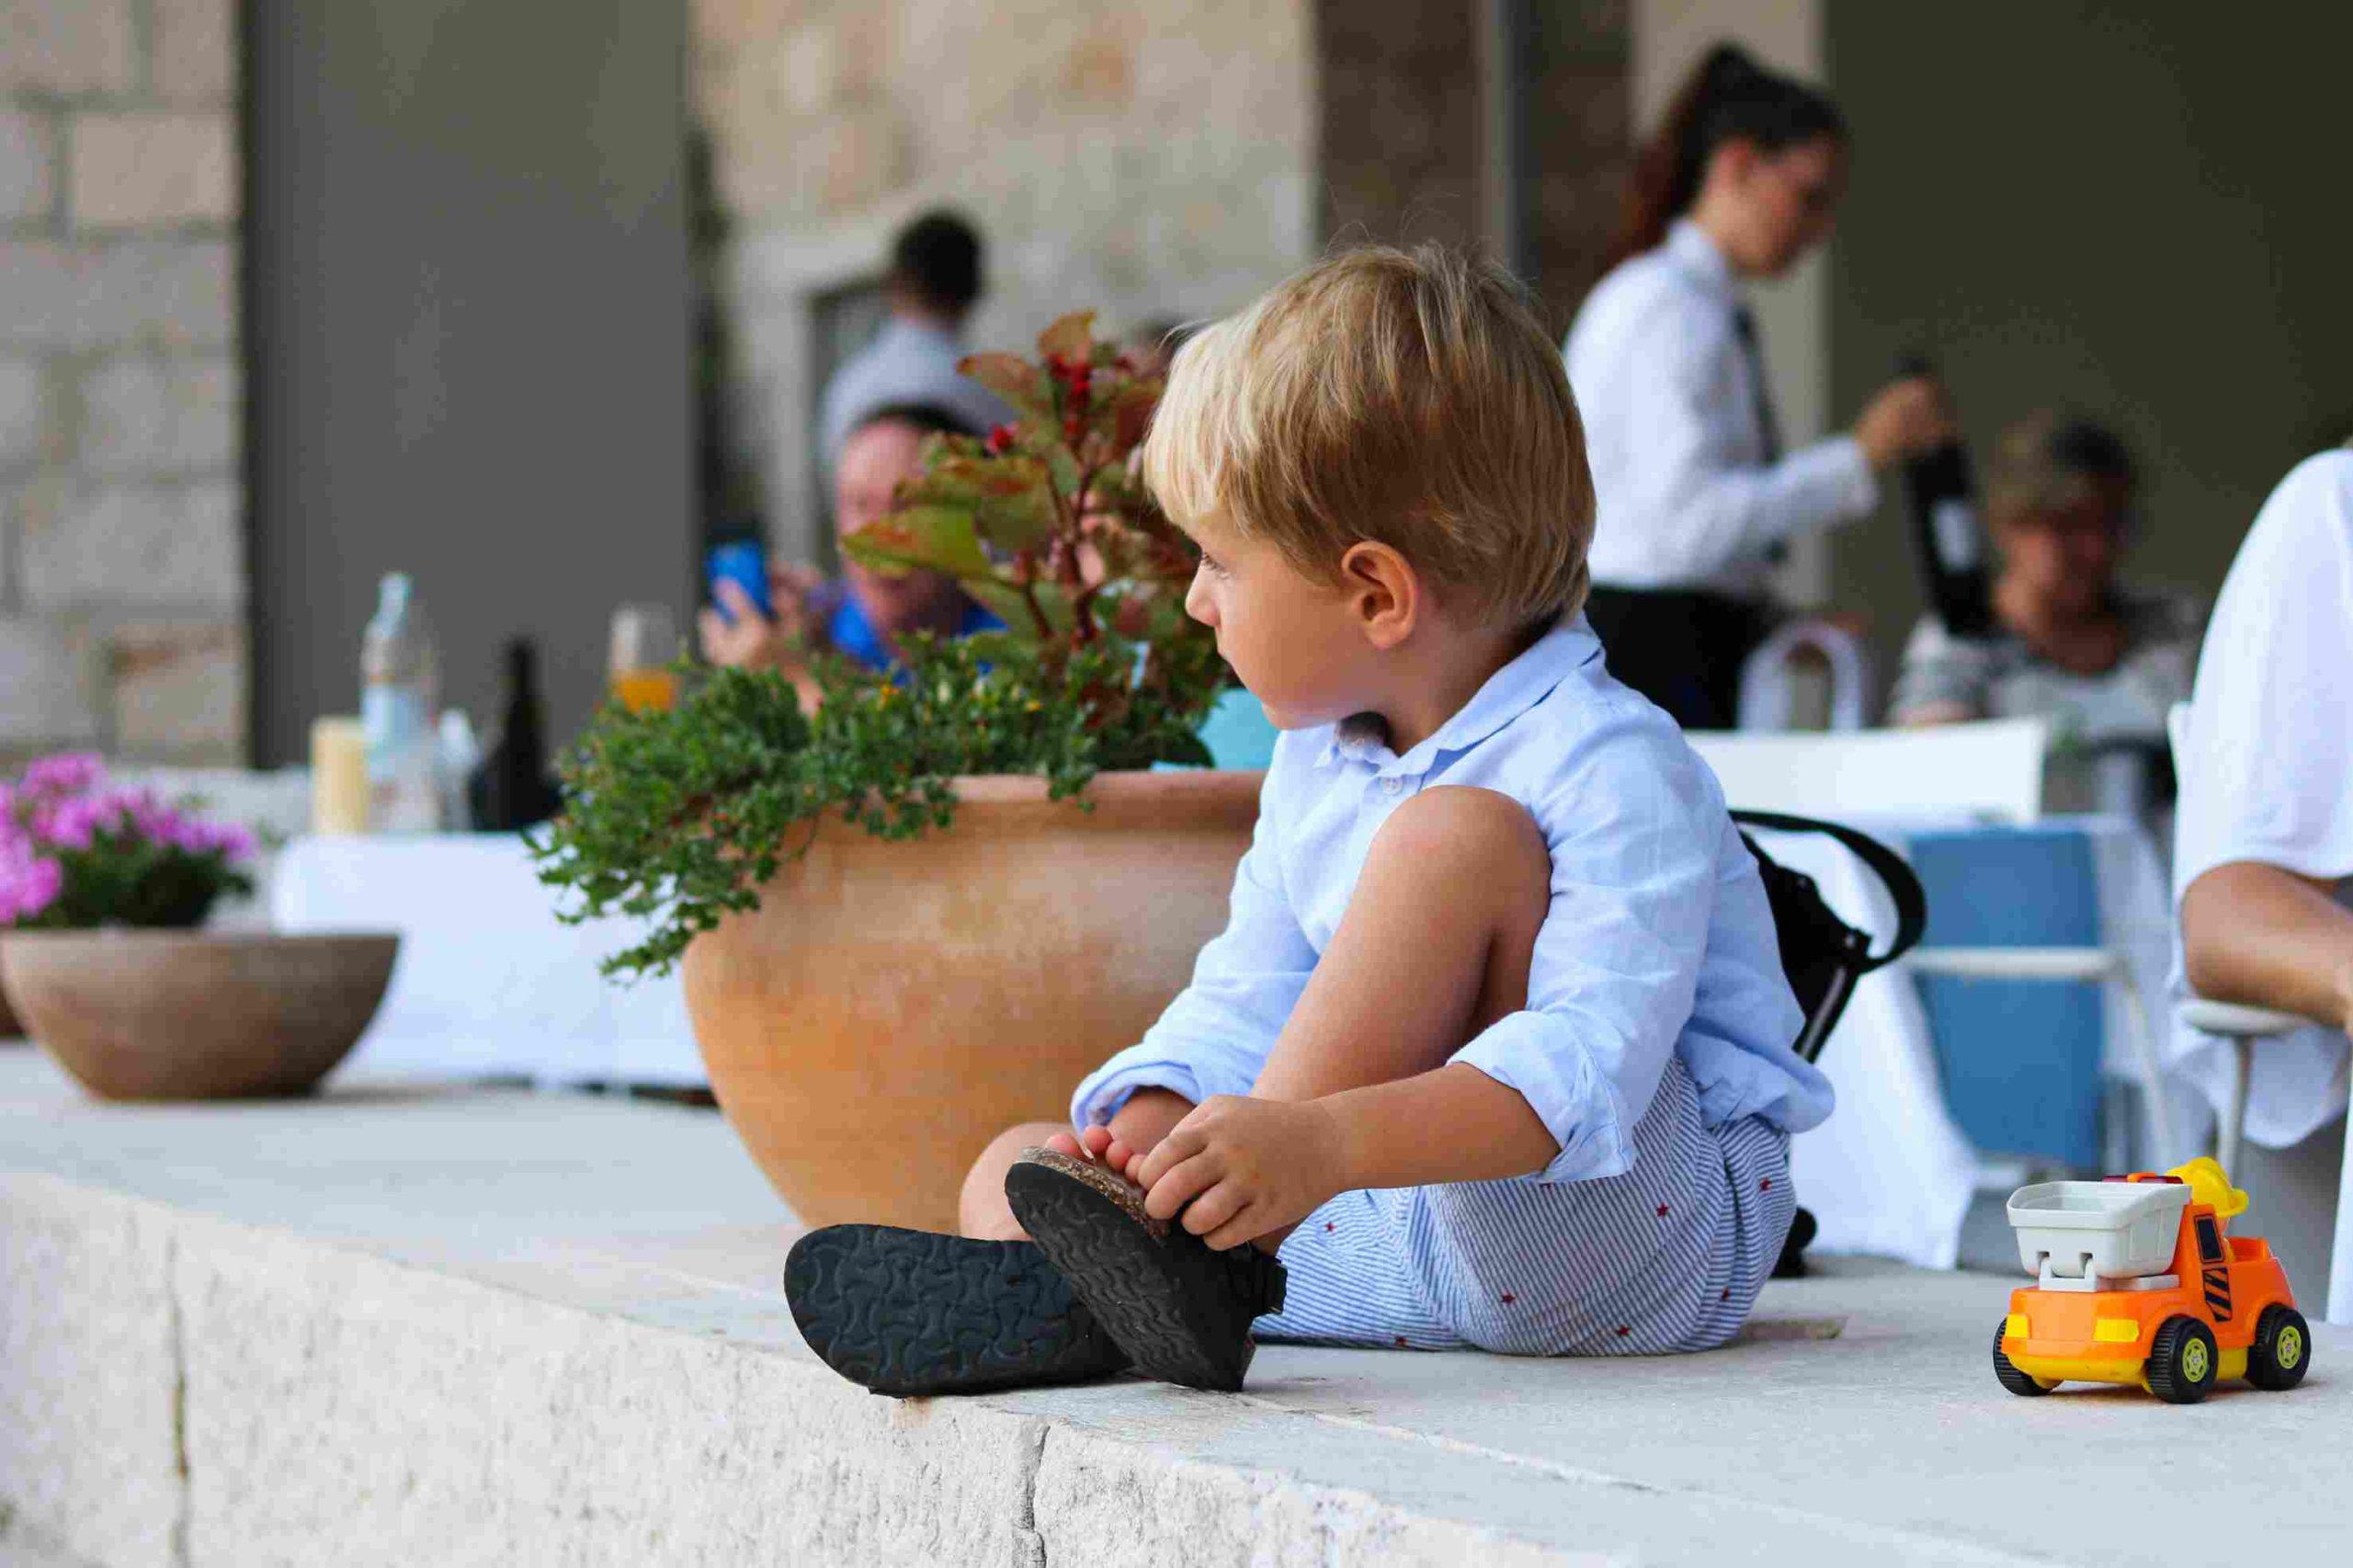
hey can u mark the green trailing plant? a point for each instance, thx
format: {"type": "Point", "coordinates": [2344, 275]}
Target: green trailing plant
{"type": "Point", "coordinates": [676, 819]}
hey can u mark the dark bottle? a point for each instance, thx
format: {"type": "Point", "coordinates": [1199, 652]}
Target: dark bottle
{"type": "Point", "coordinates": [512, 791]}
{"type": "Point", "coordinates": [1947, 535]}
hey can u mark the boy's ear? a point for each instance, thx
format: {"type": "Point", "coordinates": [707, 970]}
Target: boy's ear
{"type": "Point", "coordinates": [1384, 591]}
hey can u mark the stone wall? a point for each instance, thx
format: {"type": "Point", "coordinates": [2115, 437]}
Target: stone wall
{"type": "Point", "coordinates": [121, 512]}
{"type": "Point", "coordinates": [1401, 135]}
{"type": "Point", "coordinates": [1149, 161]}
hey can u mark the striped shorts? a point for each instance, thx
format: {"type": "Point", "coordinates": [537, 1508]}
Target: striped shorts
{"type": "Point", "coordinates": [1669, 1257]}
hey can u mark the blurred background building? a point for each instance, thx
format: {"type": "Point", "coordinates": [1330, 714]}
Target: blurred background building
{"type": "Point", "coordinates": [293, 294]}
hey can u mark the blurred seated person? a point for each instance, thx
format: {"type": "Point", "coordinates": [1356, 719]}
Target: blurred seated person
{"type": "Point", "coordinates": [2072, 645]}
{"type": "Point", "coordinates": [2263, 858]}
{"type": "Point", "coordinates": [934, 281]}
{"type": "Point", "coordinates": [864, 616]}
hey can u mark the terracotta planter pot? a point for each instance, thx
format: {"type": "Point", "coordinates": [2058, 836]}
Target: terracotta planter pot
{"type": "Point", "coordinates": [891, 1006]}
{"type": "Point", "coordinates": [139, 1015]}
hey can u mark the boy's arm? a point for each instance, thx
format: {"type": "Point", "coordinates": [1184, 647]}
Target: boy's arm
{"type": "Point", "coordinates": [1252, 1167]}
{"type": "Point", "coordinates": [1213, 1036]}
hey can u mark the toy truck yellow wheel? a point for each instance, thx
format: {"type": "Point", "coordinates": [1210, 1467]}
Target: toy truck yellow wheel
{"type": "Point", "coordinates": [2282, 1348]}
{"type": "Point", "coordinates": [2024, 1384]}
{"type": "Point", "coordinates": [2183, 1361]}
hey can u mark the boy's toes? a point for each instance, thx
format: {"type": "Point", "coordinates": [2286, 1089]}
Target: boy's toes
{"type": "Point", "coordinates": [1063, 1143]}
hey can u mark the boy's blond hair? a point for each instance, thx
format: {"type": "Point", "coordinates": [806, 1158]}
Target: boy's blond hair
{"type": "Point", "coordinates": [1408, 397]}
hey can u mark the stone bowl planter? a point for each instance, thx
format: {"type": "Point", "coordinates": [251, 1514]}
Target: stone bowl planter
{"type": "Point", "coordinates": [889, 1008]}
{"type": "Point", "coordinates": [147, 1015]}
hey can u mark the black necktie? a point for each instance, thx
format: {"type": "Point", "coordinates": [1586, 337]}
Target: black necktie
{"type": "Point", "coordinates": [1769, 428]}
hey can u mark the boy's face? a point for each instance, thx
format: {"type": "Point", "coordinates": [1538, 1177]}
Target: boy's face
{"type": "Point", "coordinates": [1295, 643]}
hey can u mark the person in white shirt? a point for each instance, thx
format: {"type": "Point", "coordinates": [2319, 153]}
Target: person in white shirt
{"type": "Point", "coordinates": [1697, 500]}
{"type": "Point", "coordinates": [934, 280]}
{"type": "Point", "coordinates": [2263, 839]}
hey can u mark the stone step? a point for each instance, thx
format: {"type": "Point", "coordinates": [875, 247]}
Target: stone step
{"type": "Point", "coordinates": [432, 1325]}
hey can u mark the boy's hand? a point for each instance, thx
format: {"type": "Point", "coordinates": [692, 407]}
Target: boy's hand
{"type": "Point", "coordinates": [1238, 1168]}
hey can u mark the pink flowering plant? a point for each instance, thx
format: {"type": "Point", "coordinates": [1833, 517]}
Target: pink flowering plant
{"type": "Point", "coordinates": [77, 850]}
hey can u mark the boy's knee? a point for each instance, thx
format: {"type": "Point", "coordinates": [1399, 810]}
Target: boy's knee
{"type": "Point", "coordinates": [1460, 832]}
{"type": "Point", "coordinates": [981, 1208]}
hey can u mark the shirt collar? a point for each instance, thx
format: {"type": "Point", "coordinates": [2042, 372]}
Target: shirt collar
{"type": "Point", "coordinates": [1688, 243]}
{"type": "Point", "coordinates": [1509, 692]}
{"type": "Point", "coordinates": [930, 333]}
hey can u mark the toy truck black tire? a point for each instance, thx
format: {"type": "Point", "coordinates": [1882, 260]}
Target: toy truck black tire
{"type": "Point", "coordinates": [2183, 1361]}
{"type": "Point", "coordinates": [2282, 1348]}
{"type": "Point", "coordinates": [2005, 1371]}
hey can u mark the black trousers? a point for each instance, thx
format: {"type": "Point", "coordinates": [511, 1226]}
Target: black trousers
{"type": "Point", "coordinates": [1681, 649]}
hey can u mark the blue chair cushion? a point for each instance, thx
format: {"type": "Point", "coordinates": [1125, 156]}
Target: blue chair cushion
{"type": "Point", "coordinates": [2020, 1059]}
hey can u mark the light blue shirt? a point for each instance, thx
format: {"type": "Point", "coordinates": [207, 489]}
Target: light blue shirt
{"type": "Point", "coordinates": [1659, 941]}
{"type": "Point", "coordinates": [908, 362]}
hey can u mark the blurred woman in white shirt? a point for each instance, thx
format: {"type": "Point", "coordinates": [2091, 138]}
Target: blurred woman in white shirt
{"type": "Point", "coordinates": [1697, 498]}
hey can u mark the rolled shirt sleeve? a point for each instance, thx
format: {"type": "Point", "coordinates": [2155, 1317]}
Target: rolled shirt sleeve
{"type": "Point", "coordinates": [1618, 958]}
{"type": "Point", "coordinates": [1214, 1037]}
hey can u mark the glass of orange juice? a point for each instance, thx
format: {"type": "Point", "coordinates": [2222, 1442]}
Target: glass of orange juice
{"type": "Point", "coordinates": [644, 648]}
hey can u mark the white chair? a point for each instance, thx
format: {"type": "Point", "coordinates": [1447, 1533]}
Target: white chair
{"type": "Point", "coordinates": [2240, 1025]}
{"type": "Point", "coordinates": [1768, 681]}
{"type": "Point", "coordinates": [1986, 772]}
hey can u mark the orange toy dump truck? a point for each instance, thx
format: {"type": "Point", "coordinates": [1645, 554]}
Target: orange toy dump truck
{"type": "Point", "coordinates": [2136, 1283]}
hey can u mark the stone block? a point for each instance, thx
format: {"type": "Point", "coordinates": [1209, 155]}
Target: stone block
{"type": "Point", "coordinates": [25, 154]}
{"type": "Point", "coordinates": [65, 46]}
{"type": "Point", "coordinates": [180, 543]}
{"type": "Point", "coordinates": [808, 63]}
{"type": "Point", "coordinates": [141, 414]}
{"type": "Point", "coordinates": [179, 293]}
{"type": "Point", "coordinates": [859, 156]}
{"type": "Point", "coordinates": [527, 1432]}
{"type": "Point", "coordinates": [179, 691]}
{"type": "Point", "coordinates": [48, 698]}
{"type": "Point", "coordinates": [139, 170]}
{"type": "Point", "coordinates": [726, 24]}
{"type": "Point", "coordinates": [1098, 70]}
{"type": "Point", "coordinates": [23, 413]}
{"type": "Point", "coordinates": [90, 1389]}
{"type": "Point", "coordinates": [195, 58]}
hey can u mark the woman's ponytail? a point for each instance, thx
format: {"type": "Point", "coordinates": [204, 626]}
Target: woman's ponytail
{"type": "Point", "coordinates": [1727, 97]}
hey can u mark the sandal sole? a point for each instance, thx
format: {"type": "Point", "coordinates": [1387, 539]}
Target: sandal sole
{"type": "Point", "coordinates": [908, 1313]}
{"type": "Point", "coordinates": [1176, 1307]}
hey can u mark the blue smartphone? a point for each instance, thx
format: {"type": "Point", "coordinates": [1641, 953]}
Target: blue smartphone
{"type": "Point", "coordinates": [744, 563]}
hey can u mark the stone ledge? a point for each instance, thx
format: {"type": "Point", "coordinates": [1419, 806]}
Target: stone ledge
{"type": "Point", "coordinates": [401, 1326]}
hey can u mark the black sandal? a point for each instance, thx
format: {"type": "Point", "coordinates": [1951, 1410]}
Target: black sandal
{"type": "Point", "coordinates": [911, 1312]}
{"type": "Point", "coordinates": [1181, 1310]}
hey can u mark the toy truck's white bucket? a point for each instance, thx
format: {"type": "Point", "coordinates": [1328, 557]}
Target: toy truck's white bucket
{"type": "Point", "coordinates": [2084, 1230]}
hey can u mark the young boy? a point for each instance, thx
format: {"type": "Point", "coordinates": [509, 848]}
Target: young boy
{"type": "Point", "coordinates": [1495, 1050]}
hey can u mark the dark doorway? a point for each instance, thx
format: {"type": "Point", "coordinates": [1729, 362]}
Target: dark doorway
{"type": "Point", "coordinates": [468, 311]}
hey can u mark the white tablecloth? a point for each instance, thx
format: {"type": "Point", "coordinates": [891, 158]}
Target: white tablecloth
{"type": "Point", "coordinates": [489, 981]}
{"type": "Point", "coordinates": [1889, 1173]}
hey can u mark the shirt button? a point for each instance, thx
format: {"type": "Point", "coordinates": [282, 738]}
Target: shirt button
{"type": "Point", "coordinates": [1392, 784]}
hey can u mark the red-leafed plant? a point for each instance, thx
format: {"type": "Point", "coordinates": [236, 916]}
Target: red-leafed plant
{"type": "Point", "coordinates": [679, 817]}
